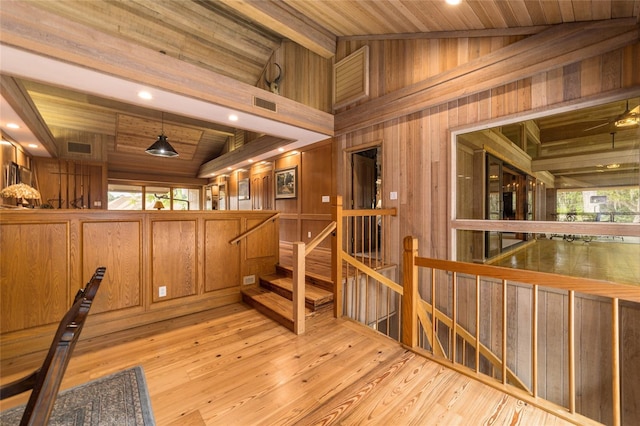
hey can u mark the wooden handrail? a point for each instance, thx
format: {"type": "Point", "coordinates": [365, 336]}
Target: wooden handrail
{"type": "Point", "coordinates": [370, 212]}
{"type": "Point", "coordinates": [255, 228]}
{"type": "Point", "coordinates": [319, 238]}
{"type": "Point", "coordinates": [562, 282]}
{"type": "Point", "coordinates": [371, 272]}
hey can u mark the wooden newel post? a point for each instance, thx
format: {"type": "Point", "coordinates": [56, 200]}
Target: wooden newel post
{"type": "Point", "coordinates": [298, 287]}
{"type": "Point", "coordinates": [410, 298]}
{"type": "Point", "coordinates": [336, 256]}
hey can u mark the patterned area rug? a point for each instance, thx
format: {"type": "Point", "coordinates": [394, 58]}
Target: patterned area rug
{"type": "Point", "coordinates": [119, 399]}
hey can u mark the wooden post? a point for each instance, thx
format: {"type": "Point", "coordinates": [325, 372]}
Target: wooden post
{"type": "Point", "coordinates": [410, 297]}
{"type": "Point", "coordinates": [336, 257]}
{"type": "Point", "coordinates": [298, 288]}
{"type": "Point", "coordinates": [504, 331]}
{"type": "Point", "coordinates": [572, 352]}
{"type": "Point", "coordinates": [615, 360]}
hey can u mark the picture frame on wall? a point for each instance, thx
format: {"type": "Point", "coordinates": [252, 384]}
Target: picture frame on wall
{"type": "Point", "coordinates": [243, 189]}
{"type": "Point", "coordinates": [286, 183]}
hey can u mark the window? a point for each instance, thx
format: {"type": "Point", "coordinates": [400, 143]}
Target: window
{"type": "Point", "coordinates": [513, 183]}
{"type": "Point", "coordinates": [124, 197]}
{"type": "Point", "coordinates": [130, 197]}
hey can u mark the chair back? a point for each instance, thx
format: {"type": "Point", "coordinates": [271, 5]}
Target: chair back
{"type": "Point", "coordinates": [46, 381]}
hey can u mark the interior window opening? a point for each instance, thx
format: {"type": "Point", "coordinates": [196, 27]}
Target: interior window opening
{"type": "Point", "coordinates": [152, 197]}
{"type": "Point", "coordinates": [577, 166]}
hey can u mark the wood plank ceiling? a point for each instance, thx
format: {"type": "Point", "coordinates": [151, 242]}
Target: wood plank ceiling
{"type": "Point", "coordinates": [237, 39]}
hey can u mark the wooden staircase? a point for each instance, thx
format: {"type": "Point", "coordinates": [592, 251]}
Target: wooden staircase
{"type": "Point", "coordinates": [273, 295]}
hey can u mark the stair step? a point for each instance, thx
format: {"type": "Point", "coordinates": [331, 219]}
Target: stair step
{"type": "Point", "coordinates": [315, 279]}
{"type": "Point", "coordinates": [315, 297]}
{"type": "Point", "coordinates": [271, 304]}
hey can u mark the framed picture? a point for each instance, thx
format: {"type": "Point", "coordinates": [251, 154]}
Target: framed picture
{"type": "Point", "coordinates": [286, 183]}
{"type": "Point", "coordinates": [243, 189]}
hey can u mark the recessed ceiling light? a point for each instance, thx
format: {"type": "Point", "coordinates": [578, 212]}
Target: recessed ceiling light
{"type": "Point", "coordinates": [233, 117]}
{"type": "Point", "coordinates": [250, 160]}
{"type": "Point", "coordinates": [453, 2]}
{"type": "Point", "coordinates": [613, 166]}
{"type": "Point", "coordinates": [32, 145]}
{"type": "Point", "coordinates": [229, 168]}
{"type": "Point", "coordinates": [13, 126]}
{"type": "Point", "coordinates": [145, 95]}
{"type": "Point", "coordinates": [280, 149]}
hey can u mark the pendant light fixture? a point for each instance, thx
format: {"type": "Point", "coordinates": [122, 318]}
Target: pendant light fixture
{"type": "Point", "coordinates": [162, 147]}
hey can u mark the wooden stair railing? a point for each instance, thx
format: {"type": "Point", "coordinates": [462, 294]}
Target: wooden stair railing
{"type": "Point", "coordinates": [300, 251]}
{"type": "Point", "coordinates": [45, 381]}
{"type": "Point", "coordinates": [255, 228]}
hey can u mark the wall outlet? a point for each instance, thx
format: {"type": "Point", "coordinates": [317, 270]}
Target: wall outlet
{"type": "Point", "coordinates": [97, 204]}
{"type": "Point", "coordinates": [248, 279]}
{"type": "Point", "coordinates": [393, 195]}
{"type": "Point", "coordinates": [325, 198]}
{"type": "Point", "coordinates": [309, 234]}
{"type": "Point", "coordinates": [162, 291]}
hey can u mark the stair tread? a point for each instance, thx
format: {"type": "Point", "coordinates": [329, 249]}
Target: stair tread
{"type": "Point", "coordinates": [311, 292]}
{"type": "Point", "coordinates": [273, 301]}
{"type": "Point", "coordinates": [320, 281]}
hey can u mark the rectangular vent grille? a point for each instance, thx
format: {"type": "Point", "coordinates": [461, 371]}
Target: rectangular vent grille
{"type": "Point", "coordinates": [78, 148]}
{"type": "Point", "coordinates": [351, 78]}
{"type": "Point", "coordinates": [263, 103]}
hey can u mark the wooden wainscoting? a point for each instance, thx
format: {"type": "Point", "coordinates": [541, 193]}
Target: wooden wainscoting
{"type": "Point", "coordinates": [159, 265]}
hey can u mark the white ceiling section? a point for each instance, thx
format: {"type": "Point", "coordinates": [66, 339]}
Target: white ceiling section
{"type": "Point", "coordinates": [20, 63]}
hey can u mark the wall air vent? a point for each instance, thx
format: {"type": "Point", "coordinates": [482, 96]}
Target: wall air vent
{"type": "Point", "coordinates": [78, 148]}
{"type": "Point", "coordinates": [265, 104]}
{"type": "Point", "coordinates": [351, 78]}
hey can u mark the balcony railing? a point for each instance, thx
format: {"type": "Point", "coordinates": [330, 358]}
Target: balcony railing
{"type": "Point", "coordinates": [554, 341]}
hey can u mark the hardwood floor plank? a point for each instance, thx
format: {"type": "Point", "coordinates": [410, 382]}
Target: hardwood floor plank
{"type": "Point", "coordinates": [234, 366]}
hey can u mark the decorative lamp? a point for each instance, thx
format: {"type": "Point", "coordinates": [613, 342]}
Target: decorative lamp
{"type": "Point", "coordinates": [158, 205]}
{"type": "Point", "coordinates": [21, 192]}
{"type": "Point", "coordinates": [161, 147]}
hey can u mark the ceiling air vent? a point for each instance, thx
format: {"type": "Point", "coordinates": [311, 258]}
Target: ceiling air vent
{"type": "Point", "coordinates": [78, 148]}
{"type": "Point", "coordinates": [263, 103]}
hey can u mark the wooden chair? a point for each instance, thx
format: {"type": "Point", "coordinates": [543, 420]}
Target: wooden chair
{"type": "Point", "coordinates": [46, 380]}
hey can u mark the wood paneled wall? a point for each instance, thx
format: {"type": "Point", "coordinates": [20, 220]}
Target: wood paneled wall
{"type": "Point", "coordinates": [306, 76]}
{"type": "Point", "coordinates": [310, 210]}
{"type": "Point", "coordinates": [48, 254]}
{"type": "Point", "coordinates": [417, 147]}
{"type": "Point", "coordinates": [70, 184]}
{"type": "Point", "coordinates": [419, 96]}
{"type": "Point", "coordinates": [309, 213]}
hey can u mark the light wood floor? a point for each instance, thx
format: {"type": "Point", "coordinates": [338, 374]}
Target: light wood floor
{"type": "Point", "coordinates": [602, 259]}
{"type": "Point", "coordinates": [608, 260]}
{"type": "Point", "coordinates": [233, 366]}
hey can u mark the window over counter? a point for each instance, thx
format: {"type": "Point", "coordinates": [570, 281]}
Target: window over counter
{"type": "Point", "coordinates": [153, 197]}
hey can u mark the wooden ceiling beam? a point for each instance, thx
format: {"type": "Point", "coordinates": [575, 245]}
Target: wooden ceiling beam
{"type": "Point", "coordinates": [255, 148]}
{"type": "Point", "coordinates": [17, 96]}
{"type": "Point", "coordinates": [550, 49]}
{"type": "Point", "coordinates": [289, 23]}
